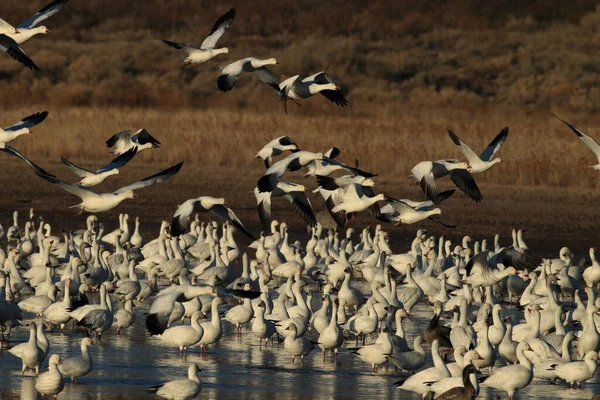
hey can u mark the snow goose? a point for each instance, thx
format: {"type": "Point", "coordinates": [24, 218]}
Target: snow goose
{"type": "Point", "coordinates": [411, 294]}
{"type": "Point", "coordinates": [276, 147]}
{"type": "Point", "coordinates": [410, 360]}
{"type": "Point", "coordinates": [483, 162]}
{"type": "Point", "coordinates": [181, 389]}
{"type": "Point", "coordinates": [90, 178]}
{"type": "Point", "coordinates": [546, 370]}
{"type": "Point", "coordinates": [363, 325]}
{"type": "Point", "coordinates": [591, 275]}
{"type": "Point", "coordinates": [58, 313]}
{"type": "Point", "coordinates": [124, 317]}
{"type": "Point", "coordinates": [589, 142]}
{"type": "Point", "coordinates": [511, 378]}
{"type": "Point", "coordinates": [376, 354]}
{"type": "Point", "coordinates": [590, 338]}
{"type": "Point", "coordinates": [578, 371]}
{"type": "Point", "coordinates": [216, 206]}
{"type": "Point", "coordinates": [401, 212]}
{"type": "Point", "coordinates": [184, 336]}
{"type": "Point", "coordinates": [292, 192]}
{"type": "Point", "coordinates": [261, 327]}
{"type": "Point", "coordinates": [353, 297]}
{"type": "Point", "coordinates": [295, 88]}
{"type": "Point", "coordinates": [206, 51]}
{"type": "Point", "coordinates": [51, 383]}
{"type": "Point", "coordinates": [230, 73]}
{"type": "Point", "coordinates": [240, 314]}
{"type": "Point", "coordinates": [212, 329]}
{"type": "Point", "coordinates": [295, 161]}
{"type": "Point", "coordinates": [417, 382]}
{"type": "Point", "coordinates": [22, 127]}
{"type": "Point", "coordinates": [296, 345]}
{"type": "Point", "coordinates": [38, 304]}
{"type": "Point", "coordinates": [30, 354]}
{"type": "Point", "coordinates": [12, 48]}
{"type": "Point", "coordinates": [482, 271]}
{"type": "Point", "coordinates": [99, 320]}
{"type": "Point", "coordinates": [75, 367]}
{"type": "Point", "coordinates": [125, 141]}
{"type": "Point", "coordinates": [28, 29]}
{"type": "Point", "coordinates": [426, 172]}
{"type": "Point", "coordinates": [94, 202]}
{"type": "Point", "coordinates": [331, 337]}
{"type": "Point", "coordinates": [128, 289]}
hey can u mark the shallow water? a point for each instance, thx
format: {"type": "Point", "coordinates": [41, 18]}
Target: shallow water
{"type": "Point", "coordinates": [126, 365]}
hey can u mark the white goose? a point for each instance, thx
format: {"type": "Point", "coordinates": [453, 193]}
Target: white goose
{"type": "Point", "coordinates": [230, 73]}
{"type": "Point", "coordinates": [483, 162]}
{"type": "Point", "coordinates": [125, 141]}
{"type": "Point", "coordinates": [51, 383]}
{"type": "Point", "coordinates": [591, 275]}
{"type": "Point", "coordinates": [181, 389]}
{"type": "Point", "coordinates": [511, 378]}
{"type": "Point", "coordinates": [426, 172]}
{"type": "Point", "coordinates": [23, 127]}
{"type": "Point", "coordinates": [75, 367]}
{"type": "Point", "coordinates": [276, 147]}
{"type": "Point", "coordinates": [91, 178]}
{"type": "Point", "coordinates": [28, 29]}
{"type": "Point", "coordinates": [331, 338]}
{"type": "Point", "coordinates": [206, 51]}
{"type": "Point", "coordinates": [184, 336]}
{"type": "Point", "coordinates": [578, 371]}
{"type": "Point", "coordinates": [589, 142]}
{"type": "Point", "coordinates": [212, 329]}
{"type": "Point", "coordinates": [295, 88]}
{"type": "Point", "coordinates": [296, 345]}
{"type": "Point", "coordinates": [124, 317]}
{"type": "Point", "coordinates": [93, 202]}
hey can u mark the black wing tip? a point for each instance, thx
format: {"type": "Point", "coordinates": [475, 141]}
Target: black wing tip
{"type": "Point", "coordinates": [573, 127]}
{"type": "Point", "coordinates": [52, 5]}
{"type": "Point", "coordinates": [226, 18]}
{"type": "Point", "coordinates": [153, 325]}
{"type": "Point", "coordinates": [267, 183]}
{"type": "Point", "coordinates": [177, 227]}
{"type": "Point", "coordinates": [224, 83]}
{"type": "Point", "coordinates": [334, 152]}
{"type": "Point", "coordinates": [454, 137]}
{"type": "Point", "coordinates": [326, 182]}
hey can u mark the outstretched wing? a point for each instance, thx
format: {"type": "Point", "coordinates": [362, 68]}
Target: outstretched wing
{"type": "Point", "coordinates": [513, 258]}
{"type": "Point", "coordinates": [16, 153]}
{"type": "Point", "coordinates": [9, 46]}
{"type": "Point", "coordinates": [465, 182]}
{"type": "Point", "coordinates": [79, 191]}
{"type": "Point", "coordinates": [267, 76]}
{"type": "Point", "coordinates": [182, 216]}
{"type": "Point", "coordinates": [494, 145]}
{"type": "Point", "coordinates": [348, 168]}
{"type": "Point", "coordinates": [123, 135]}
{"type": "Point", "coordinates": [424, 175]}
{"type": "Point", "coordinates": [302, 206]}
{"type": "Point", "coordinates": [471, 156]}
{"type": "Point", "coordinates": [29, 121]}
{"type": "Point", "coordinates": [76, 169]}
{"type": "Point", "coordinates": [227, 214]}
{"type": "Point", "coordinates": [263, 206]}
{"type": "Point", "coordinates": [589, 141]}
{"type": "Point", "coordinates": [151, 180]}
{"type": "Point", "coordinates": [119, 161]}
{"type": "Point", "coordinates": [188, 48]}
{"type": "Point", "coordinates": [49, 10]}
{"type": "Point", "coordinates": [218, 30]}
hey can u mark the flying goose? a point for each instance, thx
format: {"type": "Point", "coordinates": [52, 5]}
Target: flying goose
{"type": "Point", "coordinates": [295, 88]}
{"type": "Point", "coordinates": [400, 212]}
{"type": "Point", "coordinates": [589, 142]}
{"type": "Point", "coordinates": [28, 29]}
{"type": "Point", "coordinates": [124, 141]}
{"type": "Point", "coordinates": [293, 193]}
{"type": "Point", "coordinates": [22, 127]}
{"type": "Point", "coordinates": [90, 178]}
{"type": "Point", "coordinates": [276, 147]}
{"type": "Point", "coordinates": [426, 172]}
{"type": "Point", "coordinates": [483, 162]}
{"type": "Point", "coordinates": [217, 206]}
{"type": "Point", "coordinates": [230, 73]}
{"type": "Point", "coordinates": [295, 161]}
{"type": "Point", "coordinates": [206, 51]}
{"type": "Point", "coordinates": [12, 48]}
{"type": "Point", "coordinates": [94, 202]}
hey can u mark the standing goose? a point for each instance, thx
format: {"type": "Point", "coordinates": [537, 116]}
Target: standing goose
{"type": "Point", "coordinates": [589, 142]}
{"type": "Point", "coordinates": [94, 202]}
{"type": "Point", "coordinates": [124, 317]}
{"type": "Point", "coordinates": [22, 127]}
{"type": "Point", "coordinates": [125, 141]}
{"type": "Point", "coordinates": [331, 338]}
{"type": "Point", "coordinates": [511, 378]}
{"type": "Point", "coordinates": [181, 389]}
{"type": "Point", "coordinates": [30, 354]}
{"type": "Point", "coordinates": [74, 367]}
{"type": "Point", "coordinates": [212, 329]}
{"type": "Point", "coordinates": [295, 88]}
{"type": "Point", "coordinates": [184, 336]}
{"type": "Point", "coordinates": [578, 371]}
{"type": "Point", "coordinates": [296, 345]}
{"type": "Point", "coordinates": [410, 360]}
{"type": "Point", "coordinates": [51, 383]}
{"type": "Point", "coordinates": [206, 51]}
{"type": "Point", "coordinates": [217, 206]}
{"type": "Point", "coordinates": [426, 172]}
{"type": "Point", "coordinates": [483, 162]}
{"type": "Point", "coordinates": [90, 178]}
{"type": "Point", "coordinates": [230, 73]}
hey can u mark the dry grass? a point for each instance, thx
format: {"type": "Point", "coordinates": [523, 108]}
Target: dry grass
{"type": "Point", "coordinates": [540, 150]}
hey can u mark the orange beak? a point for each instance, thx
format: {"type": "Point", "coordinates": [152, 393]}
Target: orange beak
{"type": "Point", "coordinates": [338, 88]}
{"type": "Point", "coordinates": [135, 195]}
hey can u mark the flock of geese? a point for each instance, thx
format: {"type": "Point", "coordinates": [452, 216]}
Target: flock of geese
{"type": "Point", "coordinates": [512, 319]}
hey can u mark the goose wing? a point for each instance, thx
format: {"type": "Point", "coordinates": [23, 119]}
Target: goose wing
{"type": "Point", "coordinates": [218, 30]}
{"type": "Point", "coordinates": [424, 175]}
{"type": "Point", "coordinates": [151, 180]}
{"type": "Point", "coordinates": [465, 182]}
{"type": "Point", "coordinates": [188, 48]}
{"type": "Point", "coordinates": [335, 96]}
{"type": "Point", "coordinates": [79, 191]}
{"type": "Point", "coordinates": [494, 145]}
{"type": "Point", "coordinates": [16, 153]}
{"type": "Point", "coordinates": [12, 48]}
{"type": "Point", "coordinates": [119, 136]}
{"type": "Point", "coordinates": [143, 137]}
{"type": "Point", "coordinates": [76, 169]}
{"type": "Point", "coordinates": [46, 12]}
{"type": "Point", "coordinates": [267, 76]}
{"type": "Point", "coordinates": [471, 156]}
{"type": "Point", "coordinates": [119, 161]}
{"type": "Point", "coordinates": [182, 216]}
{"type": "Point", "coordinates": [302, 206]}
{"type": "Point", "coordinates": [227, 214]}
{"type": "Point", "coordinates": [589, 141]}
{"type": "Point", "coordinates": [29, 121]}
